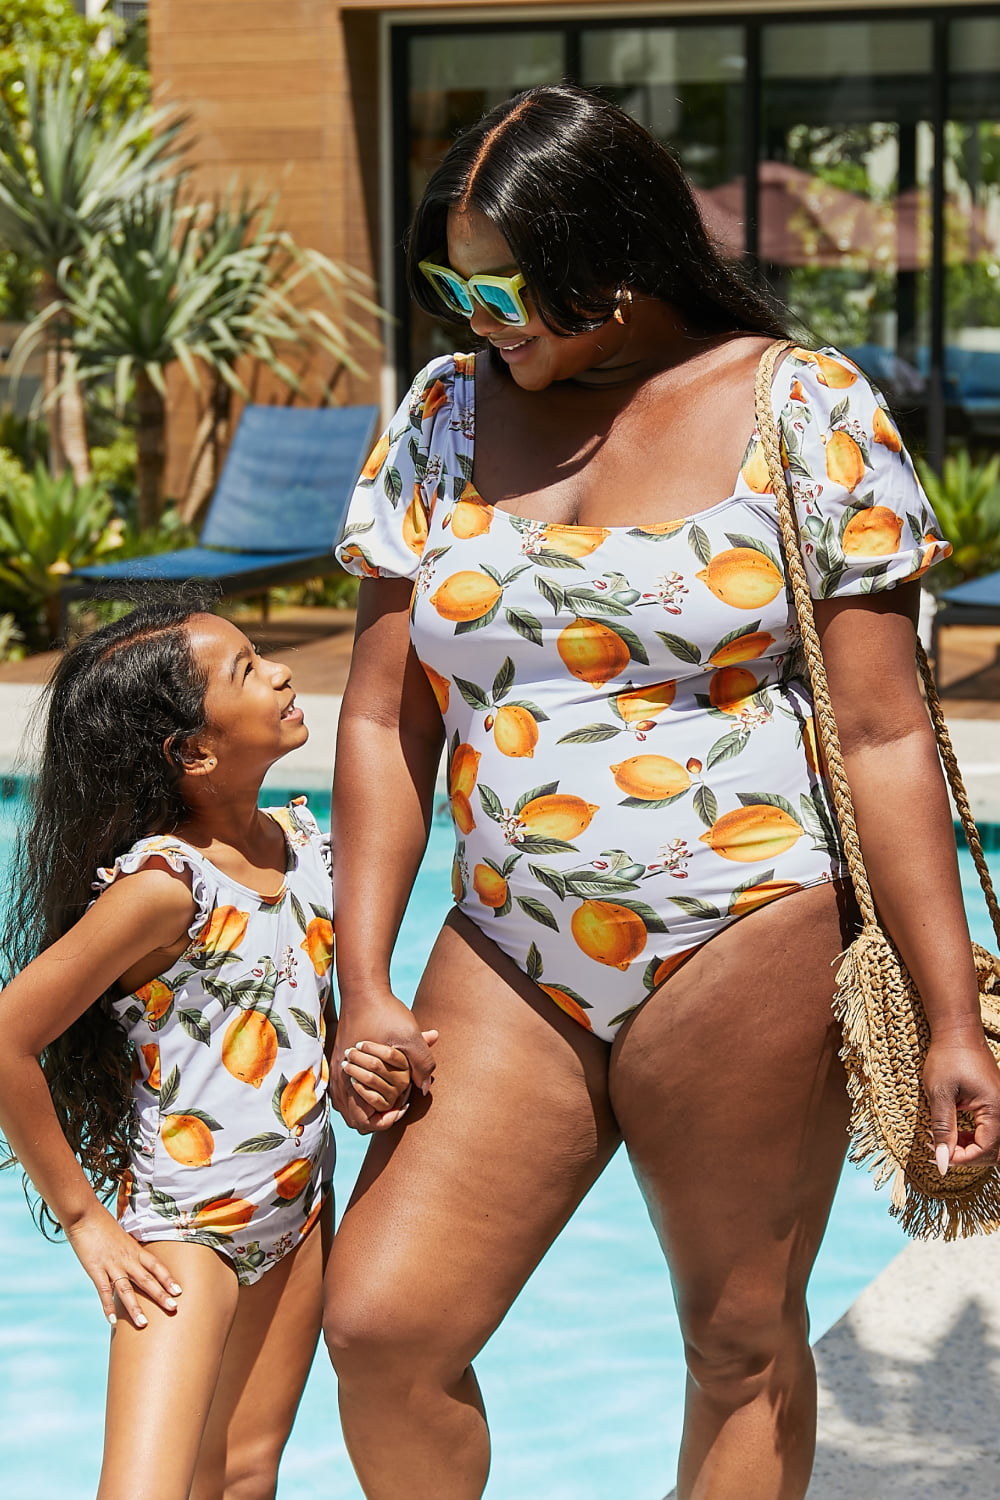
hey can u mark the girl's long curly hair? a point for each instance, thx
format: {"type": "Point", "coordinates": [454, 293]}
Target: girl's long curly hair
{"type": "Point", "coordinates": [117, 711]}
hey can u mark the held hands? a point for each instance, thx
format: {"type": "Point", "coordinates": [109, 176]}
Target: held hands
{"type": "Point", "coordinates": [118, 1265]}
{"type": "Point", "coordinates": [372, 1084]}
{"type": "Point", "coordinates": [960, 1074]}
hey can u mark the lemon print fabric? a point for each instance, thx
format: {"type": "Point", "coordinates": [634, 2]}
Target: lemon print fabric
{"type": "Point", "coordinates": [232, 1144]}
{"type": "Point", "coordinates": [631, 753]}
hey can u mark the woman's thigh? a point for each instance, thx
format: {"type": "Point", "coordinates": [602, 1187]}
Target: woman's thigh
{"type": "Point", "coordinates": [452, 1211]}
{"type": "Point", "coordinates": [731, 1099]}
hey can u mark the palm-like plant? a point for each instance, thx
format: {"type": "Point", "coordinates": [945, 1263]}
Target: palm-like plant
{"type": "Point", "coordinates": [69, 157]}
{"type": "Point", "coordinates": [173, 284]}
{"type": "Point", "coordinates": [966, 501]}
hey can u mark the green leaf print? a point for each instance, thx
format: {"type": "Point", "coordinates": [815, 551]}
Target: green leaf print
{"type": "Point", "coordinates": [651, 805]}
{"type": "Point", "coordinates": [533, 709]}
{"type": "Point", "coordinates": [748, 885]}
{"type": "Point", "coordinates": [598, 885]}
{"type": "Point", "coordinates": [726, 748]}
{"type": "Point", "coordinates": [706, 805]}
{"type": "Point", "coordinates": [738, 634]}
{"type": "Point", "coordinates": [548, 559]}
{"type": "Point", "coordinates": [195, 1025]}
{"type": "Point", "coordinates": [132, 1014]}
{"type": "Point", "coordinates": [583, 601]}
{"type": "Point", "coordinates": [533, 963]}
{"type": "Point", "coordinates": [840, 412]}
{"type": "Point", "coordinates": [538, 911]}
{"type": "Point", "coordinates": [304, 1021]}
{"type": "Point", "coordinates": [564, 989]}
{"type": "Point", "coordinates": [465, 464]}
{"type": "Point", "coordinates": [491, 572]}
{"type": "Point", "coordinates": [279, 1089]}
{"type": "Point", "coordinates": [623, 1015]}
{"type": "Point", "coordinates": [552, 879]}
{"type": "Point", "coordinates": [196, 1114]}
{"type": "Point", "coordinates": [162, 1203]}
{"type": "Point", "coordinates": [466, 627]}
{"type": "Point", "coordinates": [169, 1088]}
{"type": "Point", "coordinates": [269, 1141]}
{"type": "Point", "coordinates": [850, 511]}
{"type": "Point", "coordinates": [220, 990]}
{"type": "Point", "coordinates": [503, 681]}
{"type": "Point", "coordinates": [916, 530]}
{"type": "Point", "coordinates": [299, 914]}
{"type": "Point", "coordinates": [700, 544]}
{"type": "Point", "coordinates": [771, 799]}
{"type": "Point", "coordinates": [357, 527]}
{"type": "Point", "coordinates": [550, 592]}
{"type": "Point", "coordinates": [636, 649]}
{"type": "Point", "coordinates": [817, 821]}
{"type": "Point", "coordinates": [652, 921]}
{"type": "Point", "coordinates": [546, 790]}
{"type": "Point", "coordinates": [873, 578]}
{"type": "Point", "coordinates": [649, 972]}
{"type": "Point", "coordinates": [692, 907]}
{"type": "Point", "coordinates": [526, 624]}
{"type": "Point", "coordinates": [649, 536]}
{"type": "Point", "coordinates": [323, 912]}
{"type": "Point", "coordinates": [590, 734]}
{"type": "Point", "coordinates": [755, 543]}
{"type": "Point", "coordinates": [491, 804]}
{"type": "Point", "coordinates": [682, 649]}
{"type": "Point", "coordinates": [512, 574]}
{"type": "Point", "coordinates": [392, 483]}
{"type": "Point", "coordinates": [534, 843]}
{"type": "Point", "coordinates": [474, 695]}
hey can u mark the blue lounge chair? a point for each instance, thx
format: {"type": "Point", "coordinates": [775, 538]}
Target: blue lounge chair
{"type": "Point", "coordinates": [276, 513]}
{"type": "Point", "coordinates": [976, 602]}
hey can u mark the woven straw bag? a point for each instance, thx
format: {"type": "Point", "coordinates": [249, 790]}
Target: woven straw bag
{"type": "Point", "coordinates": [886, 1033]}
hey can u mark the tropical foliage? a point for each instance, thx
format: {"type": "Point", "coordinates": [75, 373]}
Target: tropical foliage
{"type": "Point", "coordinates": [966, 499]}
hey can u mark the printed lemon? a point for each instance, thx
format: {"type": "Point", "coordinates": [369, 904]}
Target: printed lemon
{"type": "Point", "coordinates": [730, 687]}
{"type": "Point", "coordinates": [466, 596]}
{"type": "Point", "coordinates": [377, 458]}
{"type": "Point", "coordinates": [461, 811]}
{"type": "Point", "coordinates": [811, 743]}
{"type": "Point", "coordinates": [434, 398]}
{"type": "Point", "coordinates": [470, 519]}
{"type": "Point", "coordinates": [224, 931]}
{"type": "Point", "coordinates": [156, 999]}
{"type": "Point", "coordinates": [188, 1140]}
{"type": "Point", "coordinates": [744, 648]}
{"type": "Point", "coordinates": [580, 541]}
{"type": "Point", "coordinates": [298, 1099]}
{"type": "Point", "coordinates": [760, 895]}
{"type": "Point", "coordinates": [151, 1057]}
{"type": "Point", "coordinates": [845, 462]}
{"type": "Point", "coordinates": [353, 553]}
{"type": "Point", "coordinates": [755, 471]}
{"type": "Point", "coordinates": [225, 1215]}
{"type": "Point", "coordinates": [557, 816]}
{"type": "Point", "coordinates": [490, 887]}
{"type": "Point", "coordinates": [318, 944]}
{"type": "Point", "coordinates": [832, 373]}
{"type": "Point", "coordinates": [645, 703]}
{"type": "Point", "coordinates": [250, 1047]}
{"type": "Point", "coordinates": [608, 933]}
{"type": "Point", "coordinates": [440, 687]}
{"type": "Point", "coordinates": [874, 532]}
{"type": "Point", "coordinates": [464, 768]}
{"type": "Point", "coordinates": [742, 577]}
{"type": "Point", "coordinates": [515, 731]}
{"type": "Point", "coordinates": [667, 966]}
{"type": "Point", "coordinates": [884, 431]}
{"type": "Point", "coordinates": [124, 1193]}
{"type": "Point", "coordinates": [568, 1004]}
{"type": "Point", "coordinates": [314, 1214]}
{"type": "Point", "coordinates": [592, 652]}
{"type": "Point", "coordinates": [292, 1178]}
{"type": "Point", "coordinates": [751, 835]}
{"type": "Point", "coordinates": [796, 393]}
{"type": "Point", "coordinates": [650, 777]}
{"type": "Point", "coordinates": [415, 523]}
{"type": "Point", "coordinates": [457, 883]}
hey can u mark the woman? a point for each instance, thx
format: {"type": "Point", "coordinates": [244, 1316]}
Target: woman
{"type": "Point", "coordinates": [598, 613]}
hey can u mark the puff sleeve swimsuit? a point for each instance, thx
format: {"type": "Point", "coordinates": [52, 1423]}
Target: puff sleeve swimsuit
{"type": "Point", "coordinates": [632, 760]}
{"type": "Point", "coordinates": [232, 1146]}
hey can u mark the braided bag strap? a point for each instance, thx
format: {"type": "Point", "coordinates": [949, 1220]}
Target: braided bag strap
{"type": "Point", "coordinates": [825, 720]}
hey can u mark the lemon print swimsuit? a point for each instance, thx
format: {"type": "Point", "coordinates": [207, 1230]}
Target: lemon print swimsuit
{"type": "Point", "coordinates": [631, 755]}
{"type": "Point", "coordinates": [232, 1145]}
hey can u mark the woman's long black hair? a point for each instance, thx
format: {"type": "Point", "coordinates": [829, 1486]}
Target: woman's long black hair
{"type": "Point", "coordinates": [590, 204]}
{"type": "Point", "coordinates": [119, 707]}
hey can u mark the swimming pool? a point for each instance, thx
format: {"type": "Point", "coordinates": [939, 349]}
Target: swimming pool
{"type": "Point", "coordinates": [583, 1382]}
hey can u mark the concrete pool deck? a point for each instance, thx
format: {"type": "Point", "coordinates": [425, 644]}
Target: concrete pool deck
{"type": "Point", "coordinates": [908, 1375]}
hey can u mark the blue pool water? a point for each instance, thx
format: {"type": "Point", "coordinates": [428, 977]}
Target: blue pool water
{"type": "Point", "coordinates": [583, 1382]}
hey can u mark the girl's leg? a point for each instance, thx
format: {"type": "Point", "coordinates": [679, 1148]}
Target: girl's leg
{"type": "Point", "coordinates": [453, 1212]}
{"type": "Point", "coordinates": [162, 1378]}
{"type": "Point", "coordinates": [268, 1355]}
{"type": "Point", "coordinates": [731, 1099]}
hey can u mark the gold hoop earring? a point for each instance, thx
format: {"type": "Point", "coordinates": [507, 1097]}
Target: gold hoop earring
{"type": "Point", "coordinates": [623, 312]}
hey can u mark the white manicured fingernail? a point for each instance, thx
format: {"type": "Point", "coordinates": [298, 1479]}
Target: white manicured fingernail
{"type": "Point", "coordinates": [140, 1320]}
{"type": "Point", "coordinates": [170, 1303]}
{"type": "Point", "coordinates": [175, 1289]}
{"type": "Point", "coordinates": [942, 1156]}
{"type": "Point", "coordinates": [112, 1319]}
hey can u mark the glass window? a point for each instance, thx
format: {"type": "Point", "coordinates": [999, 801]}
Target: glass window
{"type": "Point", "coordinates": [685, 84]}
{"type": "Point", "coordinates": [844, 191]}
{"type": "Point", "coordinates": [972, 234]}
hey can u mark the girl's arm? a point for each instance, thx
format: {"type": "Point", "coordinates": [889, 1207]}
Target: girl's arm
{"type": "Point", "coordinates": [388, 750]}
{"type": "Point", "coordinates": [905, 826]}
{"type": "Point", "coordinates": [139, 914]}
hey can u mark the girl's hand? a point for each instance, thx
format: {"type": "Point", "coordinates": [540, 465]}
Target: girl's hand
{"type": "Point", "coordinates": [392, 1023]}
{"type": "Point", "coordinates": [118, 1265]}
{"type": "Point", "coordinates": [960, 1074]}
{"type": "Point", "coordinates": [379, 1074]}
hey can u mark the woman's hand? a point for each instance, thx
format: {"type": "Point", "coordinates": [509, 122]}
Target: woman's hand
{"type": "Point", "coordinates": [383, 1027]}
{"type": "Point", "coordinates": [960, 1074]}
{"type": "Point", "coordinates": [117, 1264]}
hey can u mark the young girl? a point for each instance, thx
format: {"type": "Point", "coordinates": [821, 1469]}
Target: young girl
{"type": "Point", "coordinates": [167, 1039]}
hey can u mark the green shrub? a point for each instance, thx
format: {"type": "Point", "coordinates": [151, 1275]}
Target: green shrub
{"type": "Point", "coordinates": [966, 500]}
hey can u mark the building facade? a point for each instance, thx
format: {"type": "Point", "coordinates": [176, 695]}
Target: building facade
{"type": "Point", "coordinates": [853, 157]}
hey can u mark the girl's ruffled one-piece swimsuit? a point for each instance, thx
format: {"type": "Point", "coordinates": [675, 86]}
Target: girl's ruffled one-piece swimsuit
{"type": "Point", "coordinates": [233, 1147]}
{"type": "Point", "coordinates": [632, 760]}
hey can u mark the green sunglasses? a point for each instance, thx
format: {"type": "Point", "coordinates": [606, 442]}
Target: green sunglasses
{"type": "Point", "coordinates": [500, 295]}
